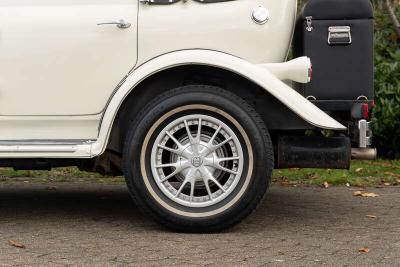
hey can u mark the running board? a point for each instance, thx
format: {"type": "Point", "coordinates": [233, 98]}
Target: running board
{"type": "Point", "coordinates": [46, 149]}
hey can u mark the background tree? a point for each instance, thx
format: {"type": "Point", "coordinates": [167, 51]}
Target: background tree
{"type": "Point", "coordinates": [391, 8]}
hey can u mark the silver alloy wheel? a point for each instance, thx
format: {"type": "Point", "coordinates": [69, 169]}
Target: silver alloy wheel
{"type": "Point", "coordinates": [197, 161]}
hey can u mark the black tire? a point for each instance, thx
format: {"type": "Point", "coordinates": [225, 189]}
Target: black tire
{"type": "Point", "coordinates": [254, 140]}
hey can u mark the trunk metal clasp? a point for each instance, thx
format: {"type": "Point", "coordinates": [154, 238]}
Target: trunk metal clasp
{"type": "Point", "coordinates": [309, 24]}
{"type": "Point", "coordinates": [339, 35]}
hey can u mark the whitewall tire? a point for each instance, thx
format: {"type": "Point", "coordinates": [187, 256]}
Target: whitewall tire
{"type": "Point", "coordinates": [198, 159]}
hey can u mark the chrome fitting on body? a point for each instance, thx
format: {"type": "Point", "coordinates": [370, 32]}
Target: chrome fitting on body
{"type": "Point", "coordinates": [364, 152]}
{"type": "Point", "coordinates": [365, 134]}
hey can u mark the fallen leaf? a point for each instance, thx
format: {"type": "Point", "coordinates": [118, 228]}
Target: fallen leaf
{"type": "Point", "coordinates": [364, 194]}
{"type": "Point", "coordinates": [15, 244]}
{"type": "Point", "coordinates": [325, 184]}
{"type": "Point", "coordinates": [372, 216]}
{"type": "Point", "coordinates": [369, 195]}
{"type": "Point", "coordinates": [359, 170]}
{"type": "Point", "coordinates": [364, 250]}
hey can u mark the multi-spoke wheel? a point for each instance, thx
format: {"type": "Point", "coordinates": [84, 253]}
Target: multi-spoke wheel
{"type": "Point", "coordinates": [198, 159]}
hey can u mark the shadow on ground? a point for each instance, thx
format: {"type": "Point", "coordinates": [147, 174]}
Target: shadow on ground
{"type": "Point", "coordinates": [99, 225]}
{"type": "Point", "coordinates": [48, 202]}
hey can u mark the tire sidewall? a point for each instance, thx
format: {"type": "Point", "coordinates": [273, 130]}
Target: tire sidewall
{"type": "Point", "coordinates": [254, 140]}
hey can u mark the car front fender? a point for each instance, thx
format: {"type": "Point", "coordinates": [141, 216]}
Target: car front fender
{"type": "Point", "coordinates": [258, 74]}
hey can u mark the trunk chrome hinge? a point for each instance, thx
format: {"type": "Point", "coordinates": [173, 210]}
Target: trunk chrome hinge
{"type": "Point", "coordinates": [309, 24]}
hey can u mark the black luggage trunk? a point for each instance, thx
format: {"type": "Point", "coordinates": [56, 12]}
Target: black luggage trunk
{"type": "Point", "coordinates": [338, 37]}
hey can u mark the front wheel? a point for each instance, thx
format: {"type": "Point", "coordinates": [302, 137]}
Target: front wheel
{"type": "Point", "coordinates": [198, 159]}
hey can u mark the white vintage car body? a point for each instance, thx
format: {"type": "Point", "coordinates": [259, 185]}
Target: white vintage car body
{"type": "Point", "coordinates": [193, 101]}
{"type": "Point", "coordinates": [63, 76]}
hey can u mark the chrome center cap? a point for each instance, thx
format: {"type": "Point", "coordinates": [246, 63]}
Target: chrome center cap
{"type": "Point", "coordinates": [197, 161]}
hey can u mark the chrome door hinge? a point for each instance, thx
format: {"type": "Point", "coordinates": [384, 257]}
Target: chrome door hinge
{"type": "Point", "coordinates": [309, 24]}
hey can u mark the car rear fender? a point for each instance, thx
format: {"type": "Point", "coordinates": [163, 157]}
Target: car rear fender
{"type": "Point", "coordinates": [266, 76]}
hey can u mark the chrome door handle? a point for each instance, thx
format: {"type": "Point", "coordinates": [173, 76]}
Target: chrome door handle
{"type": "Point", "coordinates": [122, 24]}
{"type": "Point", "coordinates": [160, 2]}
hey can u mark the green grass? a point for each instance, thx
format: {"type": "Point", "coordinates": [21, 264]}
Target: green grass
{"type": "Point", "coordinates": [362, 173]}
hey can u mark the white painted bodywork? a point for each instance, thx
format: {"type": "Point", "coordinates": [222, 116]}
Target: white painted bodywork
{"type": "Point", "coordinates": [56, 60]}
{"type": "Point", "coordinates": [226, 27]}
{"type": "Point", "coordinates": [44, 105]}
{"type": "Point", "coordinates": [49, 127]}
{"type": "Point", "coordinates": [297, 70]}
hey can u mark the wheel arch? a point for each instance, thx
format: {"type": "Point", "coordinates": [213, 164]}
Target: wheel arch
{"type": "Point", "coordinates": [271, 110]}
{"type": "Point", "coordinates": [136, 86]}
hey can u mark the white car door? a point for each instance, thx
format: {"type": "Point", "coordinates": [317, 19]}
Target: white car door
{"type": "Point", "coordinates": [55, 58]}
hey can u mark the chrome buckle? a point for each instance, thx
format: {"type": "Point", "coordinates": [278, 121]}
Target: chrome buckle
{"type": "Point", "coordinates": [339, 35]}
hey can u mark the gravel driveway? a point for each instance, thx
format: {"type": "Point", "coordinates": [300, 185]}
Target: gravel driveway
{"type": "Point", "coordinates": [97, 225]}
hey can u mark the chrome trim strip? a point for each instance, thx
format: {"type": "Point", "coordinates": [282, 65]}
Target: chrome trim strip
{"type": "Point", "coordinates": [46, 149]}
{"type": "Point", "coordinates": [38, 148]}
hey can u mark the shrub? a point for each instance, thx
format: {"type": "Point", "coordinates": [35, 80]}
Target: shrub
{"type": "Point", "coordinates": [387, 86]}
